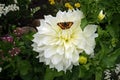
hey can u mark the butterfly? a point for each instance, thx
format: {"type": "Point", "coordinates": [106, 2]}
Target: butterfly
{"type": "Point", "coordinates": [65, 25]}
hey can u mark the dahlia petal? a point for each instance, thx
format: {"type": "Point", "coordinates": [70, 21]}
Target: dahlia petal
{"type": "Point", "coordinates": [59, 67]}
{"type": "Point", "coordinates": [89, 50]}
{"type": "Point", "coordinates": [69, 52]}
{"type": "Point", "coordinates": [47, 61]}
{"type": "Point", "coordinates": [56, 59]}
{"type": "Point", "coordinates": [90, 30]}
{"type": "Point", "coordinates": [60, 50]}
{"type": "Point", "coordinates": [75, 56]}
{"type": "Point", "coordinates": [50, 52]}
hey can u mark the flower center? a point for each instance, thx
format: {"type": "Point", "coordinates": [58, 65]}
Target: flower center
{"type": "Point", "coordinates": [66, 35]}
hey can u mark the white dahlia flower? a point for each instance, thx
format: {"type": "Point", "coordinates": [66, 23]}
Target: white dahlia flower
{"type": "Point", "coordinates": [60, 39]}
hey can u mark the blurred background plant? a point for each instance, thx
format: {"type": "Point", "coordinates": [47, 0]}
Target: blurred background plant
{"type": "Point", "coordinates": [18, 20]}
{"type": "Point", "coordinates": [18, 13]}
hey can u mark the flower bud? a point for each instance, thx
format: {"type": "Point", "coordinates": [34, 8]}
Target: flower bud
{"type": "Point", "coordinates": [101, 16]}
{"type": "Point", "coordinates": [82, 60]}
{"type": "Point", "coordinates": [52, 2]}
{"type": "Point", "coordinates": [68, 5]}
{"type": "Point", "coordinates": [77, 5]}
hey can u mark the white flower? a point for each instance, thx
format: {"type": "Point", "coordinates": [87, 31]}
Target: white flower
{"type": "Point", "coordinates": [5, 9]}
{"type": "Point", "coordinates": [15, 1]}
{"type": "Point", "coordinates": [1, 9]}
{"type": "Point", "coordinates": [117, 69]}
{"type": "Point", "coordinates": [107, 74]}
{"type": "Point", "coordinates": [0, 69]}
{"type": "Point", "coordinates": [118, 77]}
{"type": "Point", "coordinates": [60, 40]}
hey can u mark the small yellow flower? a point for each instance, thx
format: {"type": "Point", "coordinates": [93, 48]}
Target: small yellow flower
{"type": "Point", "coordinates": [82, 60]}
{"type": "Point", "coordinates": [52, 2]}
{"type": "Point", "coordinates": [101, 15]}
{"type": "Point", "coordinates": [77, 5]}
{"type": "Point", "coordinates": [68, 5]}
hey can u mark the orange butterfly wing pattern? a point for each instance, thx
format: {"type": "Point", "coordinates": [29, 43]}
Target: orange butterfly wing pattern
{"type": "Point", "coordinates": [65, 25]}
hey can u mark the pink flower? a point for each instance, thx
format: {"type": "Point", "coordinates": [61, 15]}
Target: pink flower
{"type": "Point", "coordinates": [7, 39]}
{"type": "Point", "coordinates": [14, 51]}
{"type": "Point", "coordinates": [18, 31]}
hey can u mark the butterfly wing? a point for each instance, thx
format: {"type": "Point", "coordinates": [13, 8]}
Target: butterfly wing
{"type": "Point", "coordinates": [65, 25]}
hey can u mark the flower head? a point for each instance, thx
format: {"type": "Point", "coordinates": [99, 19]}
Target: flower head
{"type": "Point", "coordinates": [101, 15]}
{"type": "Point", "coordinates": [107, 74]}
{"type": "Point", "coordinates": [14, 51]}
{"type": "Point", "coordinates": [7, 39]}
{"type": "Point", "coordinates": [117, 69]}
{"type": "Point", "coordinates": [11, 7]}
{"type": "Point", "coordinates": [60, 40]}
{"type": "Point", "coordinates": [16, 1]}
{"type": "Point", "coordinates": [77, 5]}
{"type": "Point", "coordinates": [19, 31]}
{"type": "Point", "coordinates": [83, 60]}
{"type": "Point", "coordinates": [52, 2]}
{"type": "Point", "coordinates": [68, 5]}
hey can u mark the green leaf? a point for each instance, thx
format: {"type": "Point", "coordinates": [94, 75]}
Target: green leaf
{"type": "Point", "coordinates": [98, 74]}
{"type": "Point", "coordinates": [27, 77]}
{"type": "Point", "coordinates": [83, 23]}
{"type": "Point", "coordinates": [75, 73]}
{"type": "Point", "coordinates": [21, 43]}
{"type": "Point", "coordinates": [51, 74]}
{"type": "Point", "coordinates": [23, 66]}
{"type": "Point", "coordinates": [109, 60]}
{"type": "Point", "coordinates": [87, 66]}
{"type": "Point", "coordinates": [82, 72]}
{"type": "Point", "coordinates": [86, 74]}
{"type": "Point", "coordinates": [111, 31]}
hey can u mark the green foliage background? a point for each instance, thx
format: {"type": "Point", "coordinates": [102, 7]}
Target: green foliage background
{"type": "Point", "coordinates": [25, 66]}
